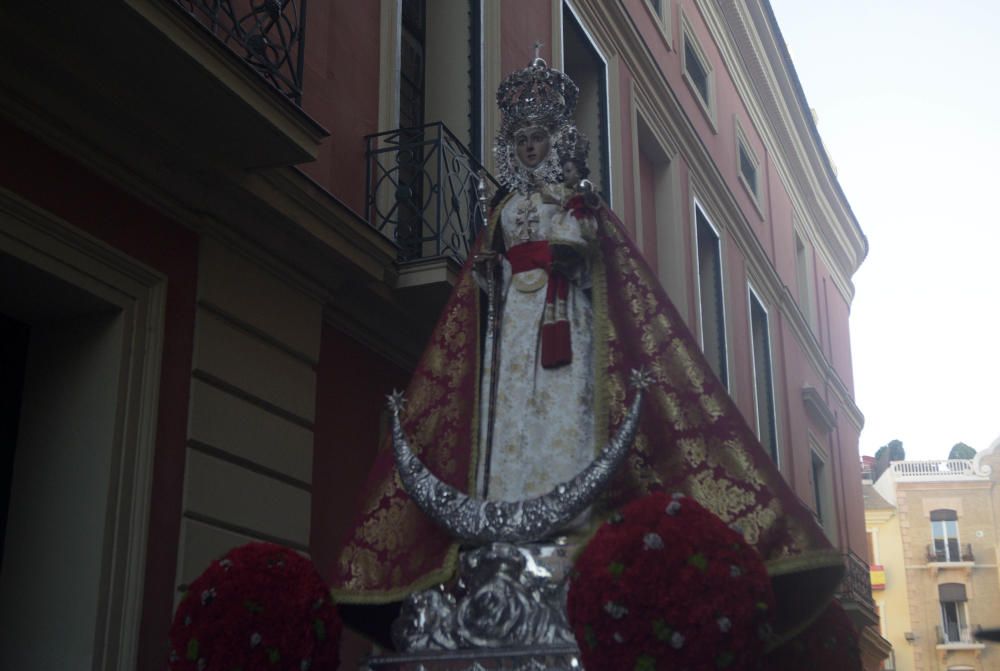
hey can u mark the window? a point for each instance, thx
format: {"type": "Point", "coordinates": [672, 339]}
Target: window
{"type": "Point", "coordinates": [661, 13]}
{"type": "Point", "coordinates": [711, 295]}
{"type": "Point", "coordinates": [748, 169]}
{"type": "Point", "coordinates": [954, 623]}
{"type": "Point", "coordinates": [819, 480]}
{"type": "Point", "coordinates": [588, 68]}
{"type": "Point", "coordinates": [944, 531]}
{"type": "Point", "coordinates": [822, 486]}
{"type": "Point", "coordinates": [411, 71]}
{"type": "Point", "coordinates": [804, 285]}
{"type": "Point", "coordinates": [697, 70]}
{"type": "Point", "coordinates": [763, 377]}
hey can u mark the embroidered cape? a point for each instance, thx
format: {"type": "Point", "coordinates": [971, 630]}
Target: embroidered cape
{"type": "Point", "coordinates": [691, 439]}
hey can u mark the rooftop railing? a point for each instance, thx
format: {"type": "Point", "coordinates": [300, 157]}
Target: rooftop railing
{"type": "Point", "coordinates": [934, 468]}
{"type": "Point", "coordinates": [268, 34]}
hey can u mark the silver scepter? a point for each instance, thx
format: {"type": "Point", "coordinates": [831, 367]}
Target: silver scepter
{"type": "Point", "coordinates": [488, 262]}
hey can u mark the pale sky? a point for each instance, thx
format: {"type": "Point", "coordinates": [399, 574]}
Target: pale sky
{"type": "Point", "coordinates": [908, 98]}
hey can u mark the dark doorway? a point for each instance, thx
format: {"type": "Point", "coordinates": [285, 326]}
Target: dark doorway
{"type": "Point", "coordinates": [13, 354]}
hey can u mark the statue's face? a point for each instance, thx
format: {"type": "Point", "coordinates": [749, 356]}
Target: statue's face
{"type": "Point", "coordinates": [571, 174]}
{"type": "Point", "coordinates": [533, 144]}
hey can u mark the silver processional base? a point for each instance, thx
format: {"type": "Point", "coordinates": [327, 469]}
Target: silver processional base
{"type": "Point", "coordinates": [506, 610]}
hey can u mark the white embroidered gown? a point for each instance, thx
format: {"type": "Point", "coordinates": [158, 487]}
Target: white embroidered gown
{"type": "Point", "coordinates": [544, 426]}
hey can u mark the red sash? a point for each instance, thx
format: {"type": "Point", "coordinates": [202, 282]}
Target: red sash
{"type": "Point", "coordinates": [556, 347]}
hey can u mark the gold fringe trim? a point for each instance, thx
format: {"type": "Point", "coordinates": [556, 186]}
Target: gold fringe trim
{"type": "Point", "coordinates": [806, 561]}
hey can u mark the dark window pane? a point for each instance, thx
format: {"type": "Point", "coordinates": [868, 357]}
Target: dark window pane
{"type": "Point", "coordinates": [713, 323]}
{"type": "Point", "coordinates": [748, 169]}
{"type": "Point", "coordinates": [696, 71]}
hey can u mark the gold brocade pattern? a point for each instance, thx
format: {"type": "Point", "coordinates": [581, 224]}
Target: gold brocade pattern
{"type": "Point", "coordinates": [691, 438]}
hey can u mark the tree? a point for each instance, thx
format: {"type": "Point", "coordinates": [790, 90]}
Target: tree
{"type": "Point", "coordinates": [961, 451]}
{"type": "Point", "coordinates": [891, 451]}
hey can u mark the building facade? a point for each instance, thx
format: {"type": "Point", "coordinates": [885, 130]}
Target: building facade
{"type": "Point", "coordinates": [932, 529]}
{"type": "Point", "coordinates": [226, 230]}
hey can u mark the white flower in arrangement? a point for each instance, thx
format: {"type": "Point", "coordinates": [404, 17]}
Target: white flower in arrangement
{"type": "Point", "coordinates": [677, 640]}
{"type": "Point", "coordinates": [618, 637]}
{"type": "Point", "coordinates": [735, 571]}
{"type": "Point", "coordinates": [208, 596]}
{"type": "Point", "coordinates": [615, 610]}
{"type": "Point", "coordinates": [255, 639]}
{"type": "Point", "coordinates": [673, 507]}
{"type": "Point", "coordinates": [725, 624]}
{"type": "Point", "coordinates": [677, 496]}
{"type": "Point", "coordinates": [226, 563]}
{"type": "Point", "coordinates": [304, 665]}
{"type": "Point", "coordinates": [652, 541]}
{"type": "Point", "coordinates": [202, 664]}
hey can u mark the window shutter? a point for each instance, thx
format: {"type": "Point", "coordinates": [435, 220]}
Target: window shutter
{"type": "Point", "coordinates": [951, 591]}
{"type": "Point", "coordinates": [944, 515]}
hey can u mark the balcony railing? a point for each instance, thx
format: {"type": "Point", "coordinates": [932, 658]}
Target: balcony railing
{"type": "Point", "coordinates": [935, 468]}
{"type": "Point", "coordinates": [855, 590]}
{"type": "Point", "coordinates": [421, 191]}
{"type": "Point", "coordinates": [953, 634]}
{"type": "Point", "coordinates": [954, 553]}
{"type": "Point", "coordinates": [268, 34]}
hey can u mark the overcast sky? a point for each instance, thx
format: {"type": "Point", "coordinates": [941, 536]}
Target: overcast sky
{"type": "Point", "coordinates": [908, 99]}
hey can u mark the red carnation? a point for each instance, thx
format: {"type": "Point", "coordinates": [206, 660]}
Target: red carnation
{"type": "Point", "coordinates": [262, 606]}
{"type": "Point", "coordinates": [665, 584]}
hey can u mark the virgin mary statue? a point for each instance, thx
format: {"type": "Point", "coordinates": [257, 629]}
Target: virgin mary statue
{"type": "Point", "coordinates": [510, 413]}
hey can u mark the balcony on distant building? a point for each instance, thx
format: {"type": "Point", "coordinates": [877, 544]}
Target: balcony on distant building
{"type": "Point", "coordinates": [950, 553]}
{"type": "Point", "coordinates": [956, 639]}
{"type": "Point", "coordinates": [855, 592]}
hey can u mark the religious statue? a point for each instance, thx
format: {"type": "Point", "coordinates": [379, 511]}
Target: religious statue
{"type": "Point", "coordinates": [503, 409]}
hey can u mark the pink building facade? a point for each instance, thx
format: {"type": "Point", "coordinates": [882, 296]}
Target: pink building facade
{"type": "Point", "coordinates": [247, 193]}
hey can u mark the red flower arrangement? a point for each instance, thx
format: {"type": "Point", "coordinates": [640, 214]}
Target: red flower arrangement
{"type": "Point", "coordinates": [665, 584]}
{"type": "Point", "coordinates": [829, 644]}
{"type": "Point", "coordinates": [260, 607]}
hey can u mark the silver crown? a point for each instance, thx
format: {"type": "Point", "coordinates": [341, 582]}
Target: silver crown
{"type": "Point", "coordinates": [536, 95]}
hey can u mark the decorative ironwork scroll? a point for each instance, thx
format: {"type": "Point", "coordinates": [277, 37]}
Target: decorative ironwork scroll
{"type": "Point", "coordinates": [421, 191]}
{"type": "Point", "coordinates": [268, 34]}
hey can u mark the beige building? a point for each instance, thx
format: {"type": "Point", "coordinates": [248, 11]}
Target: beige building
{"type": "Point", "coordinates": [932, 533]}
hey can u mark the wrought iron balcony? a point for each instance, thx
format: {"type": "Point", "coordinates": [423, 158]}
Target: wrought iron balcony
{"type": "Point", "coordinates": [421, 191]}
{"type": "Point", "coordinates": [268, 34]}
{"type": "Point", "coordinates": [855, 591]}
{"type": "Point", "coordinates": [953, 634]}
{"type": "Point", "coordinates": [953, 552]}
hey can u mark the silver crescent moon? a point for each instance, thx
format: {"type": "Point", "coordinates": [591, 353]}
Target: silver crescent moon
{"type": "Point", "coordinates": [484, 521]}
